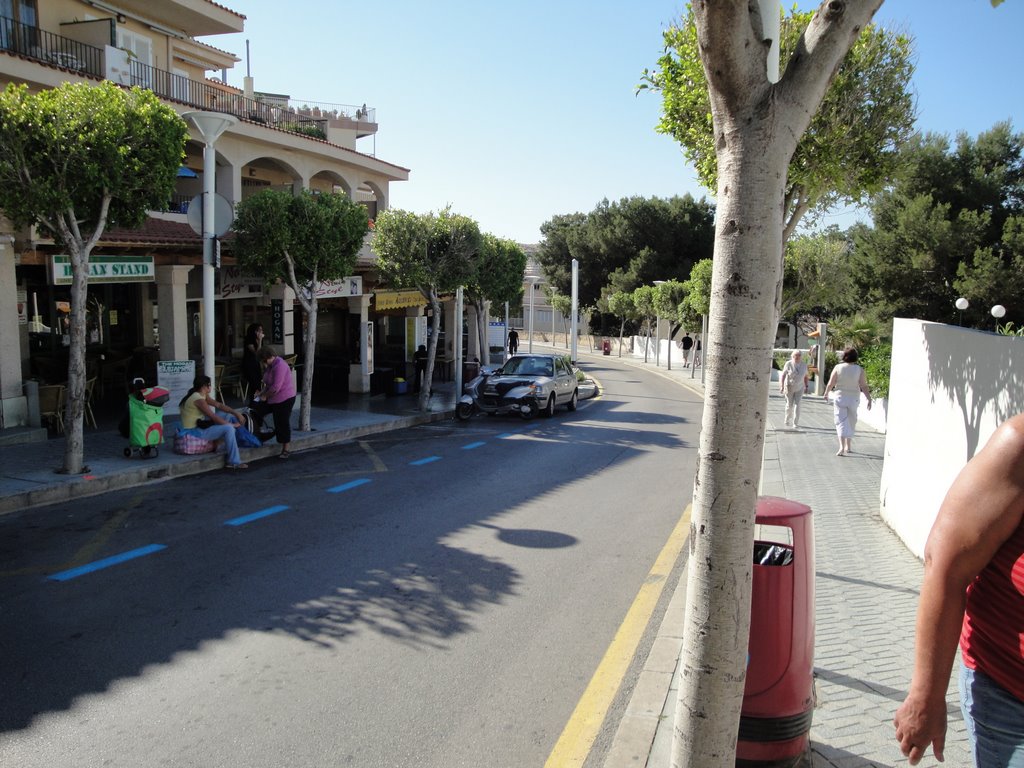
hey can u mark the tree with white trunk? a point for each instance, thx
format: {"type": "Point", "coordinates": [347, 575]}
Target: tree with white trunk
{"type": "Point", "coordinates": [757, 125]}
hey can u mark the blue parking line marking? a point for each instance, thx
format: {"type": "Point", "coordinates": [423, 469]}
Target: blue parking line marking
{"type": "Point", "coordinates": [506, 435]}
{"type": "Point", "coordinates": [106, 562]}
{"type": "Point", "coordinates": [256, 515]}
{"type": "Point", "coordinates": [349, 485]}
{"type": "Point", "coordinates": [471, 446]}
{"type": "Point", "coordinates": [421, 462]}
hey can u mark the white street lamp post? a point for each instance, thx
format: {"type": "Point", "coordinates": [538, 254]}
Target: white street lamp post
{"type": "Point", "coordinates": [998, 312]}
{"type": "Point", "coordinates": [210, 126]}
{"type": "Point", "coordinates": [532, 280]}
{"type": "Point", "coordinates": [575, 308]}
{"type": "Point", "coordinates": [657, 332]}
{"type": "Point", "coordinates": [961, 304]}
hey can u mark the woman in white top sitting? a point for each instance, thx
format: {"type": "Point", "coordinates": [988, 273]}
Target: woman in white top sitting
{"type": "Point", "coordinates": [201, 416]}
{"type": "Point", "coordinates": [849, 381]}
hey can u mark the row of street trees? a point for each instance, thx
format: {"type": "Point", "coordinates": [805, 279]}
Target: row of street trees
{"type": "Point", "coordinates": [81, 158]}
{"type": "Point", "coordinates": [438, 253]}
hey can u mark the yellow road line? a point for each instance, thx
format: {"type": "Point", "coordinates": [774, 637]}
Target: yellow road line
{"type": "Point", "coordinates": [378, 465]}
{"type": "Point", "coordinates": [584, 725]}
{"type": "Point", "coordinates": [87, 552]}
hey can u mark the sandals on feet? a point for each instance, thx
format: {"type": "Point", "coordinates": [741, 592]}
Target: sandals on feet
{"type": "Point", "coordinates": [284, 455]}
{"type": "Point", "coordinates": [237, 466]}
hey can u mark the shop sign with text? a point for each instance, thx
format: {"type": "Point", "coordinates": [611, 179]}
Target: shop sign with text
{"type": "Point", "coordinates": [107, 269]}
{"type": "Point", "coordinates": [233, 284]}
{"type": "Point", "coordinates": [332, 289]}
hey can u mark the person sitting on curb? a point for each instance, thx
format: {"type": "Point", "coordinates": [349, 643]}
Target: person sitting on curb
{"type": "Point", "coordinates": [201, 416]}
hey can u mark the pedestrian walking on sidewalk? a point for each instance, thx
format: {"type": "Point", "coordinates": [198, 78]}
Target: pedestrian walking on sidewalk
{"type": "Point", "coordinates": [687, 344]}
{"type": "Point", "coordinates": [849, 380]}
{"type": "Point", "coordinates": [793, 384]}
{"type": "Point", "coordinates": [513, 342]}
{"type": "Point", "coordinates": [973, 589]}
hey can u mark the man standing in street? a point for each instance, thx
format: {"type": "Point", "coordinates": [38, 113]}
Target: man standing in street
{"type": "Point", "coordinates": [973, 589]}
{"type": "Point", "coordinates": [513, 341]}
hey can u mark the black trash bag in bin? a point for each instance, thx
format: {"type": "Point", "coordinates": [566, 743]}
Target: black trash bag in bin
{"type": "Point", "coordinates": [766, 553]}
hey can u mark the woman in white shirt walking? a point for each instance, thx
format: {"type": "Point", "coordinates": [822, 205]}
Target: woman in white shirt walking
{"type": "Point", "coordinates": [793, 384]}
{"type": "Point", "coordinates": [849, 381]}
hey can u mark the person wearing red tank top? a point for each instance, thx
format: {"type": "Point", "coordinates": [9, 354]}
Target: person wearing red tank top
{"type": "Point", "coordinates": [973, 591]}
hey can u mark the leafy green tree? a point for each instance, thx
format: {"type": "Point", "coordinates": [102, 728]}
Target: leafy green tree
{"type": "Point", "coordinates": [625, 244]}
{"type": "Point", "coordinates": [643, 300]}
{"type": "Point", "coordinates": [561, 304]}
{"type": "Point", "coordinates": [669, 296]}
{"type": "Point", "coordinates": [860, 330]}
{"type": "Point", "coordinates": [816, 275]}
{"type": "Point", "coordinates": [621, 305]}
{"type": "Point", "coordinates": [851, 147]}
{"type": "Point", "coordinates": [303, 240]}
{"type": "Point", "coordinates": [952, 225]}
{"type": "Point", "coordinates": [77, 159]}
{"type": "Point", "coordinates": [698, 289]}
{"type": "Point", "coordinates": [433, 253]}
{"type": "Point", "coordinates": [498, 277]}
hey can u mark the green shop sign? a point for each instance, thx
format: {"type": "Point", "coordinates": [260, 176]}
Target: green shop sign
{"type": "Point", "coordinates": [108, 269]}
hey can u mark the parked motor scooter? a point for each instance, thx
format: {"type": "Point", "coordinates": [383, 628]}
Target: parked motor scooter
{"type": "Point", "coordinates": [519, 400]}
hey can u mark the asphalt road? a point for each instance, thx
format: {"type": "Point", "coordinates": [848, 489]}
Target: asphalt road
{"type": "Point", "coordinates": [435, 597]}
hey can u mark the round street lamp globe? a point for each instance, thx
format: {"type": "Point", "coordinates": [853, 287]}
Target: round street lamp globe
{"type": "Point", "coordinates": [998, 311]}
{"type": "Point", "coordinates": [961, 304]}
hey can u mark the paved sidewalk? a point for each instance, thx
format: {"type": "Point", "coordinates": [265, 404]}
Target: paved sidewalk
{"type": "Point", "coordinates": [866, 600]}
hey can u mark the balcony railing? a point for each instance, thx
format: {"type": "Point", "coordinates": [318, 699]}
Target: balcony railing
{"type": "Point", "coordinates": [49, 48]}
{"type": "Point", "coordinates": [35, 43]}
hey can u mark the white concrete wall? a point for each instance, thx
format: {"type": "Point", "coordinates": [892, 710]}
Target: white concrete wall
{"type": "Point", "coordinates": [950, 388]}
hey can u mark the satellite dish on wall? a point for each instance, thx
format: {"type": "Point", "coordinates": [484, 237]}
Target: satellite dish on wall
{"type": "Point", "coordinates": [223, 214]}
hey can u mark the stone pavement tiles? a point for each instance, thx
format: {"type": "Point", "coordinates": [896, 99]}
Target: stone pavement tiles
{"type": "Point", "coordinates": [867, 589]}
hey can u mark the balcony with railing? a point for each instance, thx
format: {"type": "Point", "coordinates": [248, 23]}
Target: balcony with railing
{"type": "Point", "coordinates": [308, 119]}
{"type": "Point", "coordinates": [34, 43]}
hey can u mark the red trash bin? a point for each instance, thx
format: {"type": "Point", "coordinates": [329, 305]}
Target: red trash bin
{"type": "Point", "coordinates": [607, 347]}
{"type": "Point", "coordinates": [778, 699]}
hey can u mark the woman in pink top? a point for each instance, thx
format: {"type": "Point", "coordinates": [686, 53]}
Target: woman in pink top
{"type": "Point", "coordinates": [277, 396]}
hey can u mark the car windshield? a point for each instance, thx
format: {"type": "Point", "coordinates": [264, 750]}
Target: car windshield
{"type": "Point", "coordinates": [528, 366]}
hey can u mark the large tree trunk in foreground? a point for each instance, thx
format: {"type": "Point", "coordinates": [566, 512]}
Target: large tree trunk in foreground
{"type": "Point", "coordinates": [757, 126]}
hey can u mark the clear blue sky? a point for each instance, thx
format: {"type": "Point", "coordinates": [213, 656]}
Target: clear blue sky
{"type": "Point", "coordinates": [514, 112]}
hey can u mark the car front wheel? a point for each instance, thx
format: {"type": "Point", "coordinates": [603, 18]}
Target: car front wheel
{"type": "Point", "coordinates": [574, 400]}
{"type": "Point", "coordinates": [549, 409]}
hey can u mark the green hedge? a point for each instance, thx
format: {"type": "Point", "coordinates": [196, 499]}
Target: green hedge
{"type": "Point", "coordinates": [877, 362]}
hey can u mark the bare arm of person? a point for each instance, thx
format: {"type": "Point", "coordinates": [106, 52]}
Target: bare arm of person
{"type": "Point", "coordinates": [863, 384]}
{"type": "Point", "coordinates": [209, 407]}
{"type": "Point", "coordinates": [980, 512]}
{"type": "Point", "coordinates": [831, 382]}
